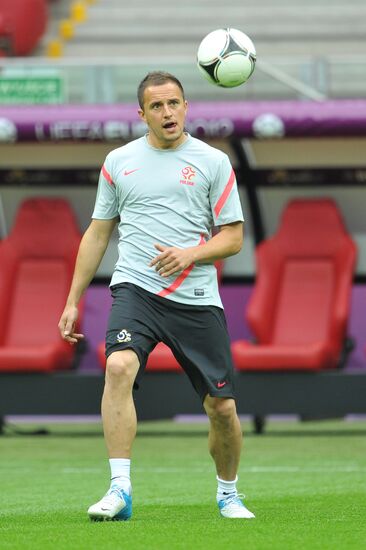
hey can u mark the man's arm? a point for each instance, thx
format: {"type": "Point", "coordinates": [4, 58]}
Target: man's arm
{"type": "Point", "coordinates": [227, 242]}
{"type": "Point", "coordinates": [91, 251]}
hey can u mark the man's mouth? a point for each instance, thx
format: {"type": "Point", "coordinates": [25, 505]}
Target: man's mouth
{"type": "Point", "coordinates": [170, 125]}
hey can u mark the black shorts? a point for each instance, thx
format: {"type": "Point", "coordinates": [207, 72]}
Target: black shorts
{"type": "Point", "coordinates": [197, 336]}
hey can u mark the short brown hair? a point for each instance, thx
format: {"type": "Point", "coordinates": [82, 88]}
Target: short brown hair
{"type": "Point", "coordinates": [156, 78]}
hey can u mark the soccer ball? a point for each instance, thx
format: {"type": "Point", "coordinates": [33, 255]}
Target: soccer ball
{"type": "Point", "coordinates": [226, 57]}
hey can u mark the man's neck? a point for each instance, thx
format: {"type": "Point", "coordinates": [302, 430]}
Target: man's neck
{"type": "Point", "coordinates": [169, 145]}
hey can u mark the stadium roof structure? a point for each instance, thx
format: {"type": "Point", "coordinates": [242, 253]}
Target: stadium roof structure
{"type": "Point", "coordinates": [209, 120]}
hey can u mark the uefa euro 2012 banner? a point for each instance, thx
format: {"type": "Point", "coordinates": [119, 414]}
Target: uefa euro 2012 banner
{"type": "Point", "coordinates": [225, 120]}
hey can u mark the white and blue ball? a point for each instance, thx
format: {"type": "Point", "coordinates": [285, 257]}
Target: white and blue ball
{"type": "Point", "coordinates": [226, 57]}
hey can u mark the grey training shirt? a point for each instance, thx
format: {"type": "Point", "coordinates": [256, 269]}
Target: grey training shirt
{"type": "Point", "coordinates": [169, 196]}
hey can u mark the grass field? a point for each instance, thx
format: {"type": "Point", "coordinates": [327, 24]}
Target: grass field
{"type": "Point", "coordinates": [306, 483]}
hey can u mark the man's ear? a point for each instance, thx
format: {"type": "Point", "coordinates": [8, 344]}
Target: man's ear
{"type": "Point", "coordinates": [141, 114]}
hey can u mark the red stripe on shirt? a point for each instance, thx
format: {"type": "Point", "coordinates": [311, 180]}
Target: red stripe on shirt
{"type": "Point", "coordinates": [226, 192]}
{"type": "Point", "coordinates": [107, 175]}
{"type": "Point", "coordinates": [179, 280]}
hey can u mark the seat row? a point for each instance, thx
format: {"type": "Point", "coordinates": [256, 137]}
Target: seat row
{"type": "Point", "coordinates": [298, 312]}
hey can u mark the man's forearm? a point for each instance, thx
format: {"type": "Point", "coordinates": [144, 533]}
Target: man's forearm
{"type": "Point", "coordinates": [227, 242]}
{"type": "Point", "coordinates": [172, 260]}
{"type": "Point", "coordinates": [91, 252]}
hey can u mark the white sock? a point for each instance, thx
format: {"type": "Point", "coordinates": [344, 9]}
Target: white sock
{"type": "Point", "coordinates": [225, 488]}
{"type": "Point", "coordinates": [120, 473]}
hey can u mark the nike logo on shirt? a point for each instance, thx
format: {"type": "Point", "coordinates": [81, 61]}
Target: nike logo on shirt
{"type": "Point", "coordinates": [128, 172]}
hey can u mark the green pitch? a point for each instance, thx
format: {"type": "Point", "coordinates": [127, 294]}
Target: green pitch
{"type": "Point", "coordinates": [306, 483]}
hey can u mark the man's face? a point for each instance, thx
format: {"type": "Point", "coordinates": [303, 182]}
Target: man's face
{"type": "Point", "coordinates": [164, 112]}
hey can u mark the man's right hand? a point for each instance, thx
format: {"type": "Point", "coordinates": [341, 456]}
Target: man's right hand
{"type": "Point", "coordinates": [67, 325]}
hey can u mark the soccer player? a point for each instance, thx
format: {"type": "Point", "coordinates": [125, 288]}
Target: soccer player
{"type": "Point", "coordinates": [166, 191]}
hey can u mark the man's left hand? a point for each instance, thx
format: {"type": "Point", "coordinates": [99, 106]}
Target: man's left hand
{"type": "Point", "coordinates": [171, 259]}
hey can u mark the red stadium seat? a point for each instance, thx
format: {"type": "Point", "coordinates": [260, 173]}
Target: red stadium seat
{"type": "Point", "coordinates": [22, 24]}
{"type": "Point", "coordinates": [36, 266]}
{"type": "Point", "coordinates": [299, 308]}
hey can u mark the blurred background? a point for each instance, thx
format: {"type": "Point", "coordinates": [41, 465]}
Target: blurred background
{"type": "Point", "coordinates": [296, 130]}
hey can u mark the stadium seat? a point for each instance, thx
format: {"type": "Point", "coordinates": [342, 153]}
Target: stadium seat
{"type": "Point", "coordinates": [161, 358]}
{"type": "Point", "coordinates": [299, 308]}
{"type": "Point", "coordinates": [22, 24]}
{"type": "Point", "coordinates": [36, 266]}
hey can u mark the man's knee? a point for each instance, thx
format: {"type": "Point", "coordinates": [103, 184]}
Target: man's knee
{"type": "Point", "coordinates": [220, 408]}
{"type": "Point", "coordinates": [122, 366]}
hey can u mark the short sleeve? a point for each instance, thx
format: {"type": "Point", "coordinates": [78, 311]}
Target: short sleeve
{"type": "Point", "coordinates": [224, 197]}
{"type": "Point", "coordinates": [106, 204]}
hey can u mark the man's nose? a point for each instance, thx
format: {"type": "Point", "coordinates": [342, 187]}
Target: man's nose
{"type": "Point", "coordinates": [167, 110]}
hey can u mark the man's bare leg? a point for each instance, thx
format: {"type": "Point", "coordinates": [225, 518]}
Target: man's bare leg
{"type": "Point", "coordinates": [119, 424]}
{"type": "Point", "coordinates": [118, 409]}
{"type": "Point", "coordinates": [225, 436]}
{"type": "Point", "coordinates": [225, 442]}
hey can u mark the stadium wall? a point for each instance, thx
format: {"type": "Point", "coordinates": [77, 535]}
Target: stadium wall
{"type": "Point", "coordinates": [278, 168]}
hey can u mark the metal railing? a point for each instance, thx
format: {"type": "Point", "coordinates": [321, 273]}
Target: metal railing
{"type": "Point", "coordinates": [103, 80]}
